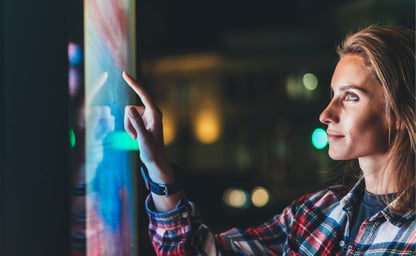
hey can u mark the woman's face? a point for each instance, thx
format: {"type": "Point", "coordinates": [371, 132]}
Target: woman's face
{"type": "Point", "coordinates": [355, 116]}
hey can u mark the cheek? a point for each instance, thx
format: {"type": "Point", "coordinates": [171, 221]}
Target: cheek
{"type": "Point", "coordinates": [370, 131]}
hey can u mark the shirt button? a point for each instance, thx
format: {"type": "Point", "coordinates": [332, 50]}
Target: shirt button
{"type": "Point", "coordinates": [184, 215]}
{"type": "Point", "coordinates": [342, 243]}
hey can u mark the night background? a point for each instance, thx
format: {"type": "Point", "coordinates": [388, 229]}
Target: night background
{"type": "Point", "coordinates": [256, 72]}
{"type": "Point", "coordinates": [250, 59]}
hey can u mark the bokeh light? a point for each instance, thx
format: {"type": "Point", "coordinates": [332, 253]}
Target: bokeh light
{"type": "Point", "coordinates": [169, 128]}
{"type": "Point", "coordinates": [74, 54]}
{"type": "Point", "coordinates": [207, 126]}
{"type": "Point", "coordinates": [310, 81]}
{"type": "Point", "coordinates": [319, 138]}
{"type": "Point", "coordinates": [236, 198]}
{"type": "Point", "coordinates": [72, 138]}
{"type": "Point", "coordinates": [260, 196]}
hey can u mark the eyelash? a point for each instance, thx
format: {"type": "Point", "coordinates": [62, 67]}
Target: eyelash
{"type": "Point", "coordinates": [348, 95]}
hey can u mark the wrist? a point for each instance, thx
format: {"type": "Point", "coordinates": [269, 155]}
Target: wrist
{"type": "Point", "coordinates": [163, 186]}
{"type": "Point", "coordinates": [160, 173]}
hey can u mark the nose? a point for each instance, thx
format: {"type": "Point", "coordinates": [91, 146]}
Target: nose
{"type": "Point", "coordinates": [329, 114]}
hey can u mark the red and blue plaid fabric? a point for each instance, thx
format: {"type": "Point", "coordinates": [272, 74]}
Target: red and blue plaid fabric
{"type": "Point", "coordinates": [314, 224]}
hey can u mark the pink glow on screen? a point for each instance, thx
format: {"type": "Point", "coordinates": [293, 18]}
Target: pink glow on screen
{"type": "Point", "coordinates": [104, 217]}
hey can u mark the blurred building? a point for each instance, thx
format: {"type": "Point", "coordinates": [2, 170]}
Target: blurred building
{"type": "Point", "coordinates": [245, 108]}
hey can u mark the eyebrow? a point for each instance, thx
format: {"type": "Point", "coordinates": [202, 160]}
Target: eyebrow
{"type": "Point", "coordinates": [349, 87]}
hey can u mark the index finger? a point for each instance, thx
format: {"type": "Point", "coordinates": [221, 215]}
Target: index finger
{"type": "Point", "coordinates": [140, 91]}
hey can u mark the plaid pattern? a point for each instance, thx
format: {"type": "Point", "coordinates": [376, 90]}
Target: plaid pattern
{"type": "Point", "coordinates": [314, 224]}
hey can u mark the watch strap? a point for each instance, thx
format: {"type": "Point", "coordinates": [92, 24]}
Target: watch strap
{"type": "Point", "coordinates": [162, 189]}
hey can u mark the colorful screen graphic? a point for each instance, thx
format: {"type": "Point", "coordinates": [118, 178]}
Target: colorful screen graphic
{"type": "Point", "coordinates": [103, 165]}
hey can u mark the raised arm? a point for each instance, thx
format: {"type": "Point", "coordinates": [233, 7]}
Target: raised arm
{"type": "Point", "coordinates": [175, 226]}
{"type": "Point", "coordinates": [144, 123]}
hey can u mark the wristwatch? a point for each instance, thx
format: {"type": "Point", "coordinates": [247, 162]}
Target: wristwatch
{"type": "Point", "coordinates": [162, 189]}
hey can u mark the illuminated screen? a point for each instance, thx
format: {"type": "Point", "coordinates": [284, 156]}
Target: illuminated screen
{"type": "Point", "coordinates": [104, 204]}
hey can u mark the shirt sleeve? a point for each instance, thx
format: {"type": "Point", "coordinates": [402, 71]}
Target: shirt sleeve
{"type": "Point", "coordinates": [181, 232]}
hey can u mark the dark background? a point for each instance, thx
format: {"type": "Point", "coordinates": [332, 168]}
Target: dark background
{"type": "Point", "coordinates": [34, 173]}
{"type": "Point", "coordinates": [296, 36]}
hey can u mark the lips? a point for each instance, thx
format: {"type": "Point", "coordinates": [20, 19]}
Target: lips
{"type": "Point", "coordinates": [333, 136]}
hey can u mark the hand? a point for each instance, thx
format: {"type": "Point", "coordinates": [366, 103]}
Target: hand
{"type": "Point", "coordinates": [145, 124]}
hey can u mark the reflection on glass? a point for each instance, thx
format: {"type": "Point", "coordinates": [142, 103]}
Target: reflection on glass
{"type": "Point", "coordinates": [103, 206]}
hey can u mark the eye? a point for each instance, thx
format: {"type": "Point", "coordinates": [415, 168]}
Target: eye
{"type": "Point", "coordinates": [349, 96]}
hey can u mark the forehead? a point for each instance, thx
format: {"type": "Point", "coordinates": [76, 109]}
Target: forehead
{"type": "Point", "coordinates": [352, 70]}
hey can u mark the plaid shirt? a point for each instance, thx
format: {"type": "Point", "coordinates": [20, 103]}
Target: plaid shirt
{"type": "Point", "coordinates": [314, 224]}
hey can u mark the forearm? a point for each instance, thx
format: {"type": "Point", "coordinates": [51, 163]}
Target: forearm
{"type": "Point", "coordinates": [163, 174]}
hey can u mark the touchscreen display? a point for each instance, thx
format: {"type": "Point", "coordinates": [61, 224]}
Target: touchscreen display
{"type": "Point", "coordinates": [101, 46]}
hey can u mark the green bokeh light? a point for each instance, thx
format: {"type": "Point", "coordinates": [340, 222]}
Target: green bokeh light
{"type": "Point", "coordinates": [72, 138]}
{"type": "Point", "coordinates": [120, 140]}
{"type": "Point", "coordinates": [319, 138]}
{"type": "Point", "coordinates": [310, 81]}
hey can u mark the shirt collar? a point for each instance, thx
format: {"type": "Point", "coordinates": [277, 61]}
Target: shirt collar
{"type": "Point", "coordinates": [355, 194]}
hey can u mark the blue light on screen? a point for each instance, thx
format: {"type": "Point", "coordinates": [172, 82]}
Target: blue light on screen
{"type": "Point", "coordinates": [101, 149]}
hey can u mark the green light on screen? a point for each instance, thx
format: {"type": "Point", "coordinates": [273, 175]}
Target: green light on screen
{"type": "Point", "coordinates": [72, 138]}
{"type": "Point", "coordinates": [122, 141]}
{"type": "Point", "coordinates": [319, 138]}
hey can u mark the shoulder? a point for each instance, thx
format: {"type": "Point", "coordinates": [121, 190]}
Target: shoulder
{"type": "Point", "coordinates": [331, 193]}
{"type": "Point", "coordinates": [324, 198]}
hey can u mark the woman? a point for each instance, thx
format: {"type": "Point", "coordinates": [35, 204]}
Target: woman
{"type": "Point", "coordinates": [370, 119]}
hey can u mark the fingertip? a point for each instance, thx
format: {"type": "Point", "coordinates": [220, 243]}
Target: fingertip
{"type": "Point", "coordinates": [130, 81]}
{"type": "Point", "coordinates": [128, 110]}
{"type": "Point", "coordinates": [131, 111]}
{"type": "Point", "coordinates": [128, 127]}
{"type": "Point", "coordinates": [126, 76]}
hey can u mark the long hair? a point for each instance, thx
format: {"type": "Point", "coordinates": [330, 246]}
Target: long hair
{"type": "Point", "coordinates": [390, 52]}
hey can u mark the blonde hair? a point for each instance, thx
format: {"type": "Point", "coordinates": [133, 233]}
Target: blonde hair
{"type": "Point", "coordinates": [390, 51]}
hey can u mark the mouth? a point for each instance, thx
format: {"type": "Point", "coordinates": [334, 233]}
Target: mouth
{"type": "Point", "coordinates": [334, 136]}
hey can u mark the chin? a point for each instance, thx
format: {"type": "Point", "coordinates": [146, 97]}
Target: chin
{"type": "Point", "coordinates": [339, 157]}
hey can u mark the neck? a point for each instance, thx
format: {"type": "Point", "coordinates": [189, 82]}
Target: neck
{"type": "Point", "coordinates": [378, 175]}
